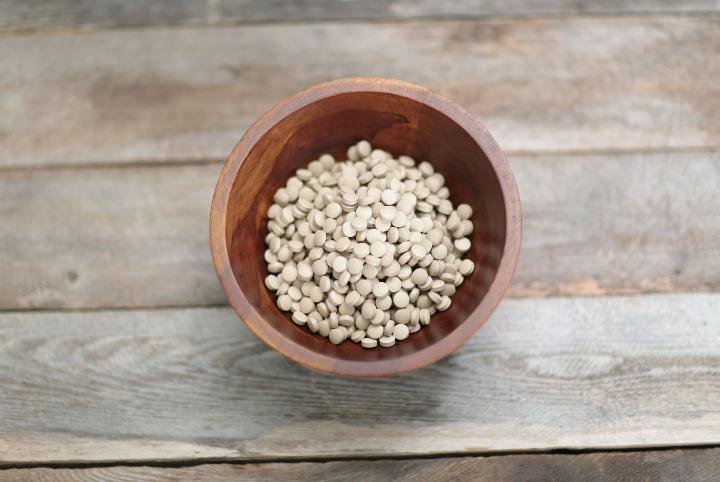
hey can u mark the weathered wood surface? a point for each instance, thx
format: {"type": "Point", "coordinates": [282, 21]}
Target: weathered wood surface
{"type": "Point", "coordinates": [22, 16]}
{"type": "Point", "coordinates": [553, 84]}
{"type": "Point", "coordinates": [601, 224]}
{"type": "Point", "coordinates": [137, 236]}
{"type": "Point", "coordinates": [107, 237]}
{"type": "Point", "coordinates": [194, 383]}
{"type": "Point", "coordinates": [690, 465]}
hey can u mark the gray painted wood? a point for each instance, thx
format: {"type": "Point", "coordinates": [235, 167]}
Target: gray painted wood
{"type": "Point", "coordinates": [602, 224]}
{"type": "Point", "coordinates": [107, 237]}
{"type": "Point", "coordinates": [137, 236]}
{"type": "Point", "coordinates": [562, 84]}
{"type": "Point", "coordinates": [194, 383]}
{"type": "Point", "coordinates": [22, 16]}
{"type": "Point", "coordinates": [690, 465]}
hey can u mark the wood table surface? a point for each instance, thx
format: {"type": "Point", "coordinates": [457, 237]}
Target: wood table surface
{"type": "Point", "coordinates": [120, 359]}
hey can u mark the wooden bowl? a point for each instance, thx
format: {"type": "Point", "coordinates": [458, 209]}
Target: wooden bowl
{"type": "Point", "coordinates": [401, 118]}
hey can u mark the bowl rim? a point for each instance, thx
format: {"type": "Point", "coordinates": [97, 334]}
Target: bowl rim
{"type": "Point", "coordinates": [318, 361]}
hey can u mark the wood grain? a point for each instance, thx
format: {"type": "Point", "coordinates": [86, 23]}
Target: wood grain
{"type": "Point", "coordinates": [188, 94]}
{"type": "Point", "coordinates": [690, 465]}
{"type": "Point", "coordinates": [601, 224]}
{"type": "Point", "coordinates": [138, 236]}
{"type": "Point", "coordinates": [22, 16]}
{"type": "Point", "coordinates": [107, 237]}
{"type": "Point", "coordinates": [195, 384]}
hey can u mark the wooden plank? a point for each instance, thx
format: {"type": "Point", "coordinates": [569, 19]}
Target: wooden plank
{"type": "Point", "coordinates": [107, 237]}
{"type": "Point", "coordinates": [195, 384]}
{"type": "Point", "coordinates": [187, 94]}
{"type": "Point", "coordinates": [22, 16]}
{"type": "Point", "coordinates": [137, 236]}
{"type": "Point", "coordinates": [632, 223]}
{"type": "Point", "coordinates": [690, 465]}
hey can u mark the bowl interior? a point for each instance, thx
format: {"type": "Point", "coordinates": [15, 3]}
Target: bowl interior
{"type": "Point", "coordinates": [399, 125]}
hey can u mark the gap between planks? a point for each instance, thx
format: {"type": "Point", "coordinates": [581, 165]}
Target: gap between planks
{"type": "Point", "coordinates": [195, 462]}
{"type": "Point", "coordinates": [657, 466]}
{"type": "Point", "coordinates": [211, 13]}
{"type": "Point", "coordinates": [90, 30]}
{"type": "Point", "coordinates": [68, 166]}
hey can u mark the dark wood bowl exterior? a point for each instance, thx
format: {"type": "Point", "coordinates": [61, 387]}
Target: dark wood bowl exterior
{"type": "Point", "coordinates": [401, 118]}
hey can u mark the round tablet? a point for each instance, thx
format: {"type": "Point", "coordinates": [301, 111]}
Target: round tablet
{"type": "Point", "coordinates": [435, 236]}
{"type": "Point", "coordinates": [306, 305]}
{"type": "Point", "coordinates": [401, 299]}
{"type": "Point", "coordinates": [368, 310]}
{"type": "Point", "coordinates": [348, 229]}
{"type": "Point", "coordinates": [466, 267]}
{"type": "Point", "coordinates": [439, 252]}
{"type": "Point", "coordinates": [363, 286]}
{"type": "Point", "coordinates": [272, 282]}
{"type": "Point", "coordinates": [354, 266]}
{"type": "Point", "coordinates": [353, 298]}
{"type": "Point", "coordinates": [333, 210]}
{"type": "Point", "coordinates": [370, 271]}
{"type": "Point", "coordinates": [387, 213]}
{"type": "Point", "coordinates": [389, 197]}
{"type": "Point", "coordinates": [343, 279]}
{"type": "Point", "coordinates": [379, 318]}
{"type": "Point", "coordinates": [400, 332]}
{"type": "Point", "coordinates": [289, 273]}
{"type": "Point", "coordinates": [383, 303]}
{"type": "Point", "coordinates": [299, 318]}
{"type": "Point", "coordinates": [402, 316]}
{"type": "Point", "coordinates": [393, 235]}
{"type": "Point", "coordinates": [375, 331]}
{"type": "Point", "coordinates": [374, 235]}
{"type": "Point", "coordinates": [394, 284]}
{"type": "Point", "coordinates": [462, 244]}
{"type": "Point", "coordinates": [382, 225]}
{"type": "Point", "coordinates": [464, 211]}
{"type": "Point", "coordinates": [388, 328]}
{"type": "Point", "coordinates": [399, 220]}
{"type": "Point", "coordinates": [294, 293]}
{"type": "Point", "coordinates": [305, 271]}
{"type": "Point", "coordinates": [284, 302]}
{"type": "Point", "coordinates": [380, 289]}
{"type": "Point", "coordinates": [313, 325]}
{"type": "Point", "coordinates": [339, 264]}
{"type": "Point", "coordinates": [359, 223]}
{"type": "Point", "coordinates": [346, 308]}
{"type": "Point", "coordinates": [342, 244]}
{"type": "Point", "coordinates": [319, 267]}
{"type": "Point", "coordinates": [364, 148]}
{"type": "Point", "coordinates": [337, 336]}
{"type": "Point", "coordinates": [377, 249]}
{"type": "Point", "coordinates": [418, 251]}
{"type": "Point", "coordinates": [357, 335]}
{"type": "Point", "coordinates": [379, 170]}
{"type": "Point", "coordinates": [361, 250]}
{"type": "Point", "coordinates": [372, 261]}
{"type": "Point", "coordinates": [316, 294]}
{"type": "Point", "coordinates": [419, 276]}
